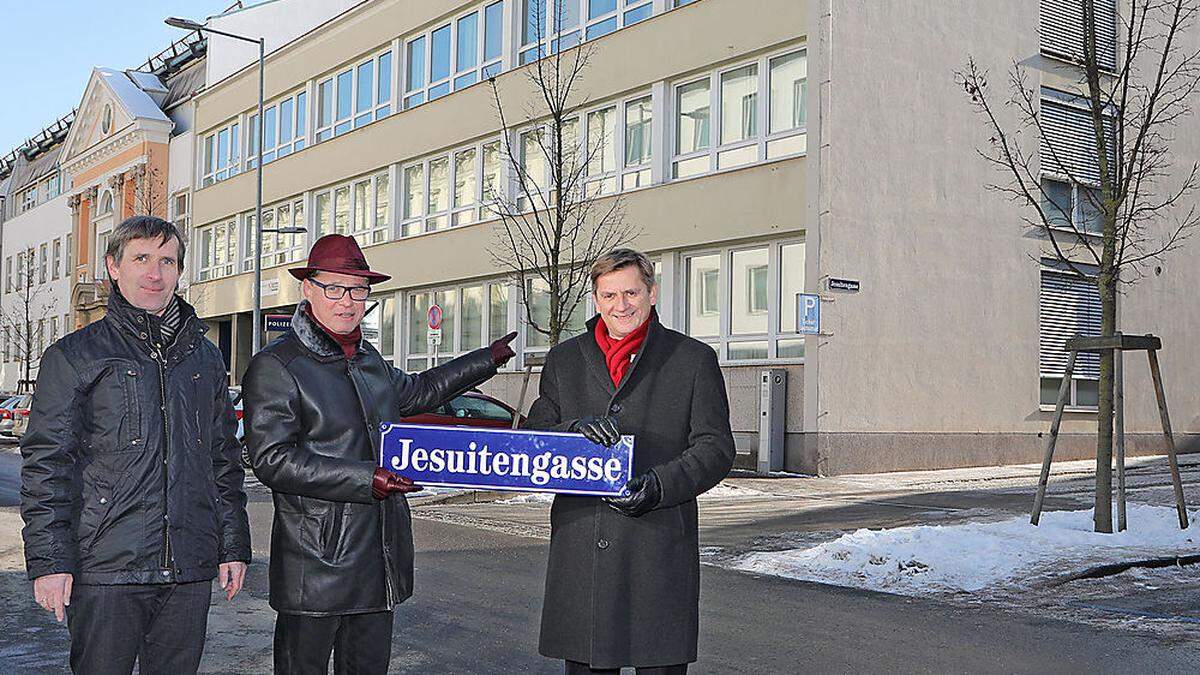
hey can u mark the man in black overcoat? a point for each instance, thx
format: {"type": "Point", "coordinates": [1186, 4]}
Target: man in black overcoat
{"type": "Point", "coordinates": [623, 580]}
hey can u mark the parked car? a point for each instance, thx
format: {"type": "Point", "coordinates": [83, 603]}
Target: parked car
{"type": "Point", "coordinates": [469, 409]}
{"type": "Point", "coordinates": [20, 414]}
{"type": "Point", "coordinates": [6, 415]}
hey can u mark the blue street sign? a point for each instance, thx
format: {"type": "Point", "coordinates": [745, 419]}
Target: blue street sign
{"type": "Point", "coordinates": [279, 323]}
{"type": "Point", "coordinates": [808, 313]}
{"type": "Point", "coordinates": [500, 459]}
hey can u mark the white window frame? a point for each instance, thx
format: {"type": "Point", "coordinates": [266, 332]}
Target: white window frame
{"type": "Point", "coordinates": [1078, 223]}
{"type": "Point", "coordinates": [210, 174]}
{"type": "Point", "coordinates": [209, 269]}
{"type": "Point", "coordinates": [457, 79]}
{"type": "Point", "coordinates": [512, 322]}
{"type": "Point", "coordinates": [43, 261]}
{"type": "Point", "coordinates": [478, 210]}
{"type": "Point", "coordinates": [278, 147]}
{"type": "Point", "coordinates": [28, 198]}
{"type": "Point", "coordinates": [587, 28]}
{"type": "Point", "coordinates": [763, 141]}
{"type": "Point", "coordinates": [376, 110]}
{"type": "Point", "coordinates": [724, 338]}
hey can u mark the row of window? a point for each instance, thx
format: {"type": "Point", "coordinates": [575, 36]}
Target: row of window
{"type": "Point", "coordinates": [39, 193]}
{"type": "Point", "coordinates": [741, 301]}
{"type": "Point", "coordinates": [38, 266]}
{"type": "Point", "coordinates": [466, 49]}
{"type": "Point", "coordinates": [612, 144]}
{"type": "Point", "coordinates": [15, 349]}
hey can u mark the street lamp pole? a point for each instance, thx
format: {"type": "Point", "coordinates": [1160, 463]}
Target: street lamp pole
{"type": "Point", "coordinates": [188, 24]}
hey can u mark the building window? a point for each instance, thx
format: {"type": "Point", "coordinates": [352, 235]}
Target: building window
{"type": "Point", "coordinates": [51, 187]}
{"type": "Point", "coordinates": [733, 97]}
{"type": "Point", "coordinates": [70, 268]}
{"type": "Point", "coordinates": [472, 316]}
{"type": "Point", "coordinates": [379, 327]}
{"type": "Point", "coordinates": [8, 274]}
{"type": "Point", "coordinates": [217, 250]}
{"type": "Point", "coordinates": [180, 215]}
{"type": "Point", "coordinates": [355, 96]}
{"type": "Point", "coordinates": [1067, 149]}
{"type": "Point", "coordinates": [43, 262]}
{"type": "Point", "coordinates": [106, 205]}
{"type": "Point", "coordinates": [278, 248]}
{"type": "Point", "coordinates": [28, 198]}
{"type": "Point", "coordinates": [361, 208]}
{"type": "Point", "coordinates": [538, 297]}
{"type": "Point", "coordinates": [451, 189]}
{"type": "Point", "coordinates": [221, 156]}
{"type": "Point", "coordinates": [742, 301]}
{"type": "Point", "coordinates": [1072, 206]}
{"type": "Point", "coordinates": [454, 55]}
{"type": "Point", "coordinates": [1060, 30]}
{"type": "Point", "coordinates": [56, 259]}
{"type": "Point", "coordinates": [283, 130]}
{"type": "Point", "coordinates": [53, 329]}
{"type": "Point", "coordinates": [548, 26]}
{"type": "Point", "coordinates": [1068, 306]}
{"type": "Point", "coordinates": [615, 159]}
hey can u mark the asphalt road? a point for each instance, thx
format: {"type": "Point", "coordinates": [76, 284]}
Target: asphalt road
{"type": "Point", "coordinates": [478, 601]}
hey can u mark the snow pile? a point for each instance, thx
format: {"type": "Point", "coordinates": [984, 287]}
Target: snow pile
{"type": "Point", "coordinates": [977, 556]}
{"type": "Point", "coordinates": [529, 498]}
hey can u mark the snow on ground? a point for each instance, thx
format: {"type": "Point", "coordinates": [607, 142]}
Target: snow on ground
{"type": "Point", "coordinates": [979, 556]}
{"type": "Point", "coordinates": [529, 498]}
{"type": "Point", "coordinates": [727, 491]}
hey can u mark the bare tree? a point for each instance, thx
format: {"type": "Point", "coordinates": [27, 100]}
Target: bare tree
{"type": "Point", "coordinates": [23, 320]}
{"type": "Point", "coordinates": [1144, 203]}
{"type": "Point", "coordinates": [149, 192]}
{"type": "Point", "coordinates": [557, 224]}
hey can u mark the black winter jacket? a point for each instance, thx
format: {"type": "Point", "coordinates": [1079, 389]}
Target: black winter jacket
{"type": "Point", "coordinates": [312, 427]}
{"type": "Point", "coordinates": [131, 471]}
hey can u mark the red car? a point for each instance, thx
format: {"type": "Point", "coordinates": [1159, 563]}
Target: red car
{"type": "Point", "coordinates": [470, 409]}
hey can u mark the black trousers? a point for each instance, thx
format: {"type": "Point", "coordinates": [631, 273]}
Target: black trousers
{"type": "Point", "coordinates": [160, 626]}
{"type": "Point", "coordinates": [361, 644]}
{"type": "Point", "coordinates": [577, 668]}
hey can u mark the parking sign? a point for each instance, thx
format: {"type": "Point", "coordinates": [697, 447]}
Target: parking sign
{"type": "Point", "coordinates": [808, 313]}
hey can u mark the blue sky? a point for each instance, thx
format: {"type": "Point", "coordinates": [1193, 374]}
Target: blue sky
{"type": "Point", "coordinates": [48, 49]}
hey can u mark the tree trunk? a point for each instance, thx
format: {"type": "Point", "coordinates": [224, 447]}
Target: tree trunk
{"type": "Point", "coordinates": [1106, 282]}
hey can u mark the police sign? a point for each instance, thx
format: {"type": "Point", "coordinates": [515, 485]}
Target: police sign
{"type": "Point", "coordinates": [498, 459]}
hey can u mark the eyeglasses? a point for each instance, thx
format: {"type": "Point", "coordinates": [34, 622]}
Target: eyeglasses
{"type": "Point", "coordinates": [337, 292]}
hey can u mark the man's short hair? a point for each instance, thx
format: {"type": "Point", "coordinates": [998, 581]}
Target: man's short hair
{"type": "Point", "coordinates": [144, 227]}
{"type": "Point", "coordinates": [620, 258]}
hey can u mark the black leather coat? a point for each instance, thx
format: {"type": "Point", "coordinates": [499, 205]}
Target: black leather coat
{"type": "Point", "coordinates": [312, 427]}
{"type": "Point", "coordinates": [131, 471]}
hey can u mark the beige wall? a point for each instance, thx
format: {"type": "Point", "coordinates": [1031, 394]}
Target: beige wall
{"type": "Point", "coordinates": [942, 339]}
{"type": "Point", "coordinates": [630, 59]}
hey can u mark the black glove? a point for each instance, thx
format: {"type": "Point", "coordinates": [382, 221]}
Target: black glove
{"type": "Point", "coordinates": [645, 493]}
{"type": "Point", "coordinates": [501, 351]}
{"type": "Point", "coordinates": [599, 430]}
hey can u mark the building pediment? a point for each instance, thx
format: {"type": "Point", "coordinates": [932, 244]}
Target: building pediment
{"type": "Point", "coordinates": [115, 105]}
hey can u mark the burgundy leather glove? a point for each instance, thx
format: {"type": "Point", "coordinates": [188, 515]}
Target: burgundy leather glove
{"type": "Point", "coordinates": [501, 352]}
{"type": "Point", "coordinates": [385, 483]}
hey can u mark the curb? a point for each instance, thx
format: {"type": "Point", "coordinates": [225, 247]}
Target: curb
{"type": "Point", "coordinates": [1101, 571]}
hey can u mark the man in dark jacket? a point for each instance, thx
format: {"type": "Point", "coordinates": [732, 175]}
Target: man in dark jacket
{"type": "Point", "coordinates": [623, 580]}
{"type": "Point", "coordinates": [341, 542]}
{"type": "Point", "coordinates": [131, 485]}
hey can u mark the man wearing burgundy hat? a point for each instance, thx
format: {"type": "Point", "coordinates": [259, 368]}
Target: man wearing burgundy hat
{"type": "Point", "coordinates": [341, 541]}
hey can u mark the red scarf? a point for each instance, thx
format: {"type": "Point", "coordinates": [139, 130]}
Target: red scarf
{"type": "Point", "coordinates": [618, 354]}
{"type": "Point", "coordinates": [347, 341]}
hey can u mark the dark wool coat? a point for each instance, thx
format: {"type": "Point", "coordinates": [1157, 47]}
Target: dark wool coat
{"type": "Point", "coordinates": [624, 591]}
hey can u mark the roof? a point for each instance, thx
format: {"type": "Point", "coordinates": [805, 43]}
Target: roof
{"type": "Point", "coordinates": [182, 85]}
{"type": "Point", "coordinates": [26, 171]}
{"type": "Point", "coordinates": [135, 101]}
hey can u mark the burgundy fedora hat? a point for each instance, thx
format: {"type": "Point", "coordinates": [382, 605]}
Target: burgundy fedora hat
{"type": "Point", "coordinates": [340, 254]}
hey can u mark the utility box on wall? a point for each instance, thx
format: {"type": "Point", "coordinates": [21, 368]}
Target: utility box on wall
{"type": "Point", "coordinates": [772, 419]}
